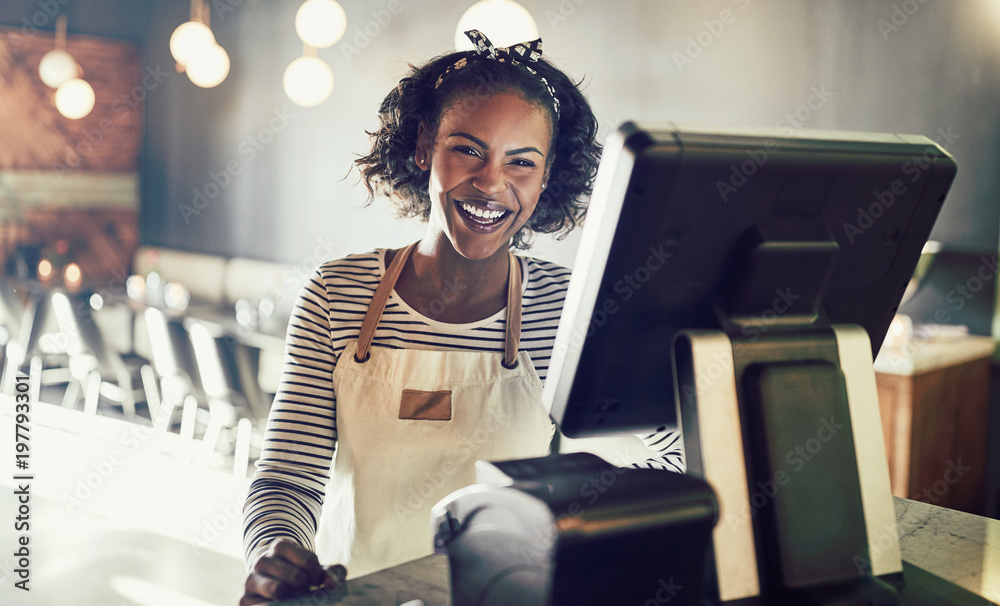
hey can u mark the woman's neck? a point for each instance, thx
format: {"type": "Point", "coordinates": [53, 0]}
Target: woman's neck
{"type": "Point", "coordinates": [440, 283]}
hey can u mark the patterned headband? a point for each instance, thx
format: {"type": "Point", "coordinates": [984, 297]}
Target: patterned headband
{"type": "Point", "coordinates": [522, 54]}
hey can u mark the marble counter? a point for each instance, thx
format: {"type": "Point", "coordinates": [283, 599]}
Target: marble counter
{"type": "Point", "coordinates": [959, 547]}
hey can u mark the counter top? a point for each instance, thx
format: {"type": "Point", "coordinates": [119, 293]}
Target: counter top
{"type": "Point", "coordinates": [924, 355]}
{"type": "Point", "coordinates": [959, 547]}
{"type": "Point", "coordinates": [956, 546]}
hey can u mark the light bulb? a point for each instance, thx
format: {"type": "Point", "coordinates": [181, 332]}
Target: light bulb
{"type": "Point", "coordinates": [44, 269]}
{"type": "Point", "coordinates": [190, 40]}
{"type": "Point", "coordinates": [57, 66]}
{"type": "Point", "coordinates": [321, 23]}
{"type": "Point", "coordinates": [308, 81]}
{"type": "Point", "coordinates": [135, 286]}
{"type": "Point", "coordinates": [75, 99]}
{"type": "Point", "coordinates": [504, 22]}
{"type": "Point", "coordinates": [73, 276]}
{"type": "Point", "coordinates": [209, 68]}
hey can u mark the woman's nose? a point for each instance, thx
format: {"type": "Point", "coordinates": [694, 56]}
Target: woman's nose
{"type": "Point", "coordinates": [490, 179]}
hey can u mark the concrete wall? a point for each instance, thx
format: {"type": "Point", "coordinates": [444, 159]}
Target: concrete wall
{"type": "Point", "coordinates": [273, 181]}
{"type": "Point", "coordinates": [862, 66]}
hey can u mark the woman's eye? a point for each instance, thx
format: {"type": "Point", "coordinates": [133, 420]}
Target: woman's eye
{"type": "Point", "coordinates": [523, 162]}
{"type": "Point", "coordinates": [465, 150]}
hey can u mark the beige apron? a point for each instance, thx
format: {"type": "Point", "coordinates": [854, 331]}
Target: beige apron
{"type": "Point", "coordinates": [411, 424]}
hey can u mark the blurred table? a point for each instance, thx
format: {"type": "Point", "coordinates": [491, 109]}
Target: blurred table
{"type": "Point", "coordinates": [120, 516]}
{"type": "Point", "coordinates": [223, 319]}
{"type": "Point", "coordinates": [934, 400]}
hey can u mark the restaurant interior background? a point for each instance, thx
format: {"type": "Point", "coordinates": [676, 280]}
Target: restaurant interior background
{"type": "Point", "coordinates": [234, 193]}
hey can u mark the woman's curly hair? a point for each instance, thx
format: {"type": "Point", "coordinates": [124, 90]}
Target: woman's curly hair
{"type": "Point", "coordinates": [390, 169]}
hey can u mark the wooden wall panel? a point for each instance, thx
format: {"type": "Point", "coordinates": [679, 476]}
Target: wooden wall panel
{"type": "Point", "coordinates": [34, 135]}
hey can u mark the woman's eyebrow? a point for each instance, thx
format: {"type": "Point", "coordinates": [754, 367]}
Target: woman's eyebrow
{"type": "Point", "coordinates": [522, 150]}
{"type": "Point", "coordinates": [475, 140]}
{"type": "Point", "coordinates": [481, 143]}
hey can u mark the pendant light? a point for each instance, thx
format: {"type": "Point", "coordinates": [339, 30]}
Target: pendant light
{"type": "Point", "coordinates": [196, 51]}
{"type": "Point", "coordinates": [75, 98]}
{"type": "Point", "coordinates": [504, 22]}
{"type": "Point", "coordinates": [58, 69]}
{"type": "Point", "coordinates": [308, 80]}
{"type": "Point", "coordinates": [58, 66]}
{"type": "Point", "coordinates": [320, 23]}
{"type": "Point", "coordinates": [210, 68]}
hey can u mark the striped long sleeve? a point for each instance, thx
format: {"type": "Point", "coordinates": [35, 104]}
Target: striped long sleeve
{"type": "Point", "coordinates": [286, 494]}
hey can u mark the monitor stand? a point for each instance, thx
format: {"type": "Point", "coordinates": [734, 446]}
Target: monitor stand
{"type": "Point", "coordinates": [786, 429]}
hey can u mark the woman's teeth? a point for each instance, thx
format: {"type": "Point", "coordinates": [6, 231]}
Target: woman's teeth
{"type": "Point", "coordinates": [488, 215]}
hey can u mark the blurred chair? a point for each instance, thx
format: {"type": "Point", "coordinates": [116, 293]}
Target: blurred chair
{"type": "Point", "coordinates": [170, 383]}
{"type": "Point", "coordinates": [11, 314]}
{"type": "Point", "coordinates": [97, 369]}
{"type": "Point", "coordinates": [40, 348]}
{"type": "Point", "coordinates": [225, 388]}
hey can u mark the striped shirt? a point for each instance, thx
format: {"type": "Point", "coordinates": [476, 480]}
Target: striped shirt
{"type": "Point", "coordinates": [286, 494]}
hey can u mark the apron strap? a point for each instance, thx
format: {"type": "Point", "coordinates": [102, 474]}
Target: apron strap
{"type": "Point", "coordinates": [388, 282]}
{"type": "Point", "coordinates": [513, 339]}
{"type": "Point", "coordinates": [379, 299]}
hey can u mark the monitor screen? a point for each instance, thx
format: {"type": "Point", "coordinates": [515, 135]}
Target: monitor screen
{"type": "Point", "coordinates": [673, 219]}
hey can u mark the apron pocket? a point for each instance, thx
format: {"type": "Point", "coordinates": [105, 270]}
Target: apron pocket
{"type": "Point", "coordinates": [425, 405]}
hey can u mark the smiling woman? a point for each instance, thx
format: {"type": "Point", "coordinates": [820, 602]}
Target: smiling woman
{"type": "Point", "coordinates": [454, 86]}
{"type": "Point", "coordinates": [488, 182]}
{"type": "Point", "coordinates": [411, 364]}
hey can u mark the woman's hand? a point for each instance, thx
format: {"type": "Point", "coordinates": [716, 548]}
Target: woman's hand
{"type": "Point", "coordinates": [288, 570]}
